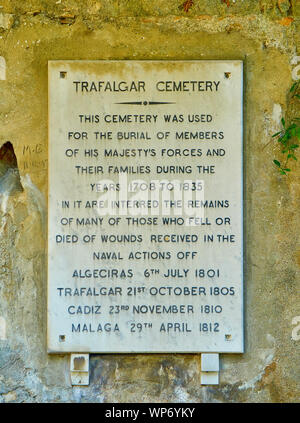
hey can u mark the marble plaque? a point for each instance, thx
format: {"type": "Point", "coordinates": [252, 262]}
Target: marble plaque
{"type": "Point", "coordinates": [145, 228]}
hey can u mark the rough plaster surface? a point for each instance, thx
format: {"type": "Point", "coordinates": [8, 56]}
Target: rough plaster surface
{"type": "Point", "coordinates": [261, 33]}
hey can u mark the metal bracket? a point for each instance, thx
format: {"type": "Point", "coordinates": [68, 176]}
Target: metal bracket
{"type": "Point", "coordinates": [210, 367]}
{"type": "Point", "coordinates": [79, 369]}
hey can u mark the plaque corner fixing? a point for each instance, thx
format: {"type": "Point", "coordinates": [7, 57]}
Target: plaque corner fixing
{"type": "Point", "coordinates": [210, 367]}
{"type": "Point", "coordinates": [79, 369]}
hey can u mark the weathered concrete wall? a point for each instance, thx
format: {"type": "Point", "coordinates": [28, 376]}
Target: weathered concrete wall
{"type": "Point", "coordinates": [261, 33]}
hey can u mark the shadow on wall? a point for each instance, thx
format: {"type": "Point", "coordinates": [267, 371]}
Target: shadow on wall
{"type": "Point", "coordinates": [10, 182]}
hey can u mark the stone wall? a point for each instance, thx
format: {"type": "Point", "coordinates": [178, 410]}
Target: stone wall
{"type": "Point", "coordinates": [264, 35]}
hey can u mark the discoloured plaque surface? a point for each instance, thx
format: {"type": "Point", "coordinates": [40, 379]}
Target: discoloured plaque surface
{"type": "Point", "coordinates": [130, 280]}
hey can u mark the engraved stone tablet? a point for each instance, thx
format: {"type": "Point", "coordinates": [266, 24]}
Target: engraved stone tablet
{"type": "Point", "coordinates": [145, 206]}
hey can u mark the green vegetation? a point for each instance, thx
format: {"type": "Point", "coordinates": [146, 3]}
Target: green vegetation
{"type": "Point", "coordinates": [289, 136]}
